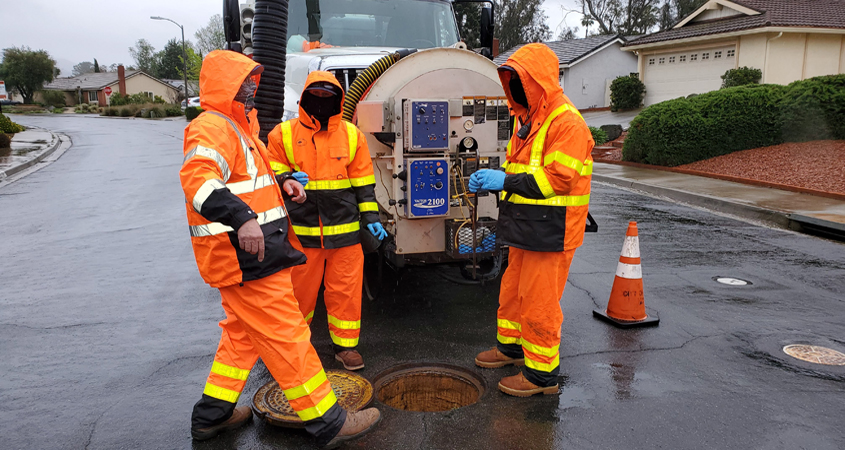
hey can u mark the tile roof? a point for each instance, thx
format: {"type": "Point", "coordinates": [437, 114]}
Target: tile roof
{"type": "Point", "coordinates": [87, 81]}
{"type": "Point", "coordinates": [567, 51]}
{"type": "Point", "coordinates": [774, 13]}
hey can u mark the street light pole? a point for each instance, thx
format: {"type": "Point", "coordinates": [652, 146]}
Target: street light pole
{"type": "Point", "coordinates": [184, 52]}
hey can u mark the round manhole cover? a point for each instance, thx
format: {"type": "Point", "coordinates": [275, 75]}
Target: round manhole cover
{"type": "Point", "coordinates": [815, 354]}
{"type": "Point", "coordinates": [428, 387]}
{"type": "Point", "coordinates": [730, 281]}
{"type": "Point", "coordinates": [353, 393]}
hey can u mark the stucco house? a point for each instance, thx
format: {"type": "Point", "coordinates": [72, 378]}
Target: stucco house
{"type": "Point", "coordinates": [89, 87]}
{"type": "Point", "coordinates": [788, 40]}
{"type": "Point", "coordinates": [587, 67]}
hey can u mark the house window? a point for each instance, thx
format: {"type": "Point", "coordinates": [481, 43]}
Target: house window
{"type": "Point", "coordinates": [92, 97]}
{"type": "Point", "coordinates": [682, 58]}
{"type": "Point", "coordinates": [150, 95]}
{"type": "Point", "coordinates": [693, 57]}
{"type": "Point", "coordinates": [717, 55]}
{"type": "Point", "coordinates": [705, 55]}
{"type": "Point", "coordinates": [731, 53]}
{"type": "Point", "coordinates": [651, 61]}
{"type": "Point", "coordinates": [662, 61]}
{"type": "Point", "coordinates": [671, 60]}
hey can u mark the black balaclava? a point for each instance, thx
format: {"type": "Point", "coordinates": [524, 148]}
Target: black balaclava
{"type": "Point", "coordinates": [517, 91]}
{"type": "Point", "coordinates": [321, 108]}
{"type": "Point", "coordinates": [246, 94]}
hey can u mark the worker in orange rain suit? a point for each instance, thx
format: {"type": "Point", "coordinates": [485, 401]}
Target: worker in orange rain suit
{"type": "Point", "coordinates": [330, 156]}
{"type": "Point", "coordinates": [542, 217]}
{"type": "Point", "coordinates": [235, 211]}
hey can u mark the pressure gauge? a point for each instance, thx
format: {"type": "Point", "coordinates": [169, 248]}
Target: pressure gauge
{"type": "Point", "coordinates": [468, 125]}
{"type": "Point", "coordinates": [469, 142]}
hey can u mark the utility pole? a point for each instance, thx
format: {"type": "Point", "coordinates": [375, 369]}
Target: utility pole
{"type": "Point", "coordinates": [184, 53]}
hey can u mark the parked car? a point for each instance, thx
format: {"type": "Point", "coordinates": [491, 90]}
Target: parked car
{"type": "Point", "coordinates": [193, 101]}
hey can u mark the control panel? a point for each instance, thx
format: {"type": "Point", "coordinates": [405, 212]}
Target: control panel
{"type": "Point", "coordinates": [427, 187]}
{"type": "Point", "coordinates": [426, 125]}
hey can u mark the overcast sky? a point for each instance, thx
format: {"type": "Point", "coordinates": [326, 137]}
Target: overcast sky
{"type": "Point", "coordinates": [81, 30]}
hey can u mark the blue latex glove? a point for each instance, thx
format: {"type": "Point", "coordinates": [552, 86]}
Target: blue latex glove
{"type": "Point", "coordinates": [301, 177]}
{"type": "Point", "coordinates": [487, 180]}
{"type": "Point", "coordinates": [378, 230]}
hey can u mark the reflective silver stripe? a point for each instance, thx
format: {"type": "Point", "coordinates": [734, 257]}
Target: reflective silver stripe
{"type": "Point", "coordinates": [213, 155]}
{"type": "Point", "coordinates": [204, 191]}
{"type": "Point", "coordinates": [210, 229]}
{"type": "Point", "coordinates": [243, 187]}
{"type": "Point", "coordinates": [251, 169]}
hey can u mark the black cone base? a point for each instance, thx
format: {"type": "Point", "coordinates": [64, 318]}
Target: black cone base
{"type": "Point", "coordinates": [649, 321]}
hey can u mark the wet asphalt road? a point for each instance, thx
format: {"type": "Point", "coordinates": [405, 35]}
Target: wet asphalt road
{"type": "Point", "coordinates": [107, 332]}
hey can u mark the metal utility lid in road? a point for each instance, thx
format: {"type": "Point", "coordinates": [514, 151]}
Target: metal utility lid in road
{"type": "Point", "coordinates": [815, 354]}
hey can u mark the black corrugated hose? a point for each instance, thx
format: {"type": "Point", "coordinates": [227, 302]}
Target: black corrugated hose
{"type": "Point", "coordinates": [269, 43]}
{"type": "Point", "coordinates": [366, 78]}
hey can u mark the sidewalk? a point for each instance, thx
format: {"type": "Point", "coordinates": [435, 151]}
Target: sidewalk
{"type": "Point", "coordinates": [784, 209]}
{"type": "Point", "coordinates": [28, 148]}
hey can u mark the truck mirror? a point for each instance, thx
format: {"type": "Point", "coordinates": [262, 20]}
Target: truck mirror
{"type": "Point", "coordinates": [487, 28]}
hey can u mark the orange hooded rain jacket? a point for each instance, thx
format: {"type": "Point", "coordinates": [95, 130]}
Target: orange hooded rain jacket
{"type": "Point", "coordinates": [547, 190]}
{"type": "Point", "coordinates": [227, 180]}
{"type": "Point", "coordinates": [341, 190]}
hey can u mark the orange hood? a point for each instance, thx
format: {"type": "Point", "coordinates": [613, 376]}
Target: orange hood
{"type": "Point", "coordinates": [222, 74]}
{"type": "Point", "coordinates": [539, 69]}
{"type": "Point", "coordinates": [316, 77]}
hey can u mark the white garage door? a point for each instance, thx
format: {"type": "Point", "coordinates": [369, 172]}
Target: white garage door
{"type": "Point", "coordinates": [673, 75]}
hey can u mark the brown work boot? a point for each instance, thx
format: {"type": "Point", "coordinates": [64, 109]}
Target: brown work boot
{"type": "Point", "coordinates": [357, 424]}
{"type": "Point", "coordinates": [518, 386]}
{"type": "Point", "coordinates": [351, 359]}
{"type": "Point", "coordinates": [493, 358]}
{"type": "Point", "coordinates": [240, 417]}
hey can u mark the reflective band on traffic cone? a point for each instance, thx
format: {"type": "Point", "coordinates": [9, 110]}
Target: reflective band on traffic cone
{"type": "Point", "coordinates": [626, 307]}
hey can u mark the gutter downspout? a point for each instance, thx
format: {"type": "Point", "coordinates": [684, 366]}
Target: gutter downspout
{"type": "Point", "coordinates": [766, 57]}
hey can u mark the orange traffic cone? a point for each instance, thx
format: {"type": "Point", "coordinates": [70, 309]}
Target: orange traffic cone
{"type": "Point", "coordinates": [626, 307]}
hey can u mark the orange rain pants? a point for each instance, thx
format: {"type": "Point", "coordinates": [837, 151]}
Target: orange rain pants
{"type": "Point", "coordinates": [263, 319]}
{"type": "Point", "coordinates": [344, 278]}
{"type": "Point", "coordinates": [529, 316]}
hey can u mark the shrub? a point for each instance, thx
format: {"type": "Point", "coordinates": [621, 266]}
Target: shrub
{"type": "Point", "coordinates": [118, 99]}
{"type": "Point", "coordinates": [111, 111]}
{"type": "Point", "coordinates": [599, 135]}
{"type": "Point", "coordinates": [742, 76]}
{"type": "Point", "coordinates": [686, 130]}
{"type": "Point", "coordinates": [5, 140]}
{"type": "Point", "coordinates": [9, 127]}
{"type": "Point", "coordinates": [172, 111]}
{"type": "Point", "coordinates": [54, 98]}
{"type": "Point", "coordinates": [58, 110]}
{"type": "Point", "coordinates": [192, 112]}
{"type": "Point", "coordinates": [126, 112]}
{"type": "Point", "coordinates": [158, 100]}
{"type": "Point", "coordinates": [814, 109]}
{"type": "Point", "coordinates": [139, 98]}
{"type": "Point", "coordinates": [156, 112]}
{"type": "Point", "coordinates": [626, 93]}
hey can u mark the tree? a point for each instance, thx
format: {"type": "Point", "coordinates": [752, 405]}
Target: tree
{"type": "Point", "coordinates": [626, 17]}
{"type": "Point", "coordinates": [194, 65]}
{"type": "Point", "coordinates": [468, 16]}
{"type": "Point", "coordinates": [145, 56]}
{"type": "Point", "coordinates": [26, 71]}
{"type": "Point", "coordinates": [567, 33]}
{"type": "Point", "coordinates": [96, 66]}
{"type": "Point", "coordinates": [519, 22]}
{"type": "Point", "coordinates": [82, 68]}
{"type": "Point", "coordinates": [211, 37]}
{"type": "Point", "coordinates": [673, 11]}
{"type": "Point", "coordinates": [170, 62]}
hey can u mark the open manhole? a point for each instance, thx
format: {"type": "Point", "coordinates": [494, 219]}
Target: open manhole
{"type": "Point", "coordinates": [730, 281]}
{"type": "Point", "coordinates": [815, 354]}
{"type": "Point", "coordinates": [353, 393]}
{"type": "Point", "coordinates": [428, 387]}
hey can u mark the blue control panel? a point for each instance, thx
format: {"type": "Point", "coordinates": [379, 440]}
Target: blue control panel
{"type": "Point", "coordinates": [427, 188]}
{"type": "Point", "coordinates": [427, 125]}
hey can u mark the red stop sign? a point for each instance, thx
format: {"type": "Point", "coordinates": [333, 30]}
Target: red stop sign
{"type": "Point", "coordinates": [107, 90]}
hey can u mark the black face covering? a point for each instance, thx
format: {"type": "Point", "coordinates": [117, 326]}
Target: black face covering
{"type": "Point", "coordinates": [246, 94]}
{"type": "Point", "coordinates": [518, 92]}
{"type": "Point", "coordinates": [321, 108]}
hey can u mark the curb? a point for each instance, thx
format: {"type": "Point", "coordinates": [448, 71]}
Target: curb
{"type": "Point", "coordinates": [778, 219]}
{"type": "Point", "coordinates": [56, 143]}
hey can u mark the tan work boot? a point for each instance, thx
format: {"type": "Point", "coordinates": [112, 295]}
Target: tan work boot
{"type": "Point", "coordinates": [357, 424]}
{"type": "Point", "coordinates": [518, 386]}
{"type": "Point", "coordinates": [351, 359]}
{"type": "Point", "coordinates": [240, 416]}
{"type": "Point", "coordinates": [493, 358]}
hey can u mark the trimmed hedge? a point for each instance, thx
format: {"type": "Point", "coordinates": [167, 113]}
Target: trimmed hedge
{"type": "Point", "coordinates": [9, 127]}
{"type": "Point", "coordinates": [685, 130]}
{"type": "Point", "coordinates": [192, 112]}
{"type": "Point", "coordinates": [626, 93]}
{"type": "Point", "coordinates": [741, 77]}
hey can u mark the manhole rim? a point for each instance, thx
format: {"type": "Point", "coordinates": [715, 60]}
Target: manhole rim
{"type": "Point", "coordinates": [463, 373]}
